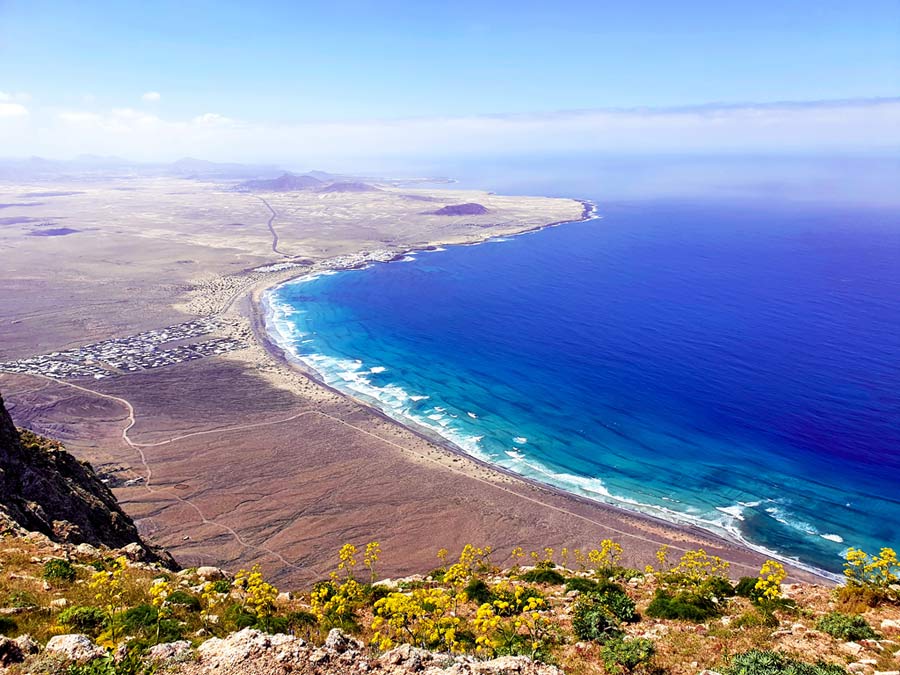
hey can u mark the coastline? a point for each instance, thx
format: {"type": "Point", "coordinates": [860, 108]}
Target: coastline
{"type": "Point", "coordinates": [255, 308]}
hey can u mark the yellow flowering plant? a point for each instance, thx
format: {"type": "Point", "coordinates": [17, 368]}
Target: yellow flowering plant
{"type": "Point", "coordinates": [370, 558]}
{"type": "Point", "coordinates": [257, 594]}
{"type": "Point", "coordinates": [771, 576]}
{"type": "Point", "coordinates": [876, 576]}
{"type": "Point", "coordinates": [109, 590]}
{"type": "Point", "coordinates": [159, 592]}
{"type": "Point", "coordinates": [606, 558]}
{"type": "Point", "coordinates": [529, 632]}
{"type": "Point", "coordinates": [423, 618]}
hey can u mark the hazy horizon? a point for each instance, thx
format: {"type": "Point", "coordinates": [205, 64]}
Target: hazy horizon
{"type": "Point", "coordinates": [393, 81]}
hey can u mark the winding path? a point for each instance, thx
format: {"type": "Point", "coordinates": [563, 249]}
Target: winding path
{"type": "Point", "coordinates": [272, 227]}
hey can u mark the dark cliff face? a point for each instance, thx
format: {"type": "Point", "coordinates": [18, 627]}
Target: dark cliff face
{"type": "Point", "coordinates": [45, 489]}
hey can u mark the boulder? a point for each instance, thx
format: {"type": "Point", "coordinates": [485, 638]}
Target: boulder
{"type": "Point", "coordinates": [339, 642]}
{"type": "Point", "coordinates": [87, 551]}
{"type": "Point", "coordinates": [28, 644]}
{"type": "Point", "coordinates": [209, 573]}
{"type": "Point", "coordinates": [75, 647]}
{"type": "Point", "coordinates": [135, 552]}
{"type": "Point", "coordinates": [248, 643]}
{"type": "Point", "coordinates": [168, 650]}
{"type": "Point", "coordinates": [513, 665]}
{"type": "Point", "coordinates": [412, 658]}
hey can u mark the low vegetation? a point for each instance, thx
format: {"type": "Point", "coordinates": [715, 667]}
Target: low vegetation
{"type": "Point", "coordinates": [581, 610]}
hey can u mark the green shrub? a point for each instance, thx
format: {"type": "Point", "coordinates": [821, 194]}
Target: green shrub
{"type": "Point", "coordinates": [592, 621]}
{"type": "Point", "coordinates": [614, 598]}
{"type": "Point", "coordinates": [627, 655]}
{"type": "Point", "coordinates": [683, 606]}
{"type": "Point", "coordinates": [581, 584]}
{"type": "Point", "coordinates": [846, 627]}
{"type": "Point", "coordinates": [478, 592]}
{"type": "Point", "coordinates": [301, 621]}
{"type": "Point", "coordinates": [183, 599]}
{"type": "Point", "coordinates": [236, 617]}
{"type": "Point", "coordinates": [599, 614]}
{"type": "Point", "coordinates": [221, 586]}
{"type": "Point", "coordinates": [59, 570]}
{"type": "Point", "coordinates": [746, 588]}
{"type": "Point", "coordinates": [375, 592]}
{"type": "Point", "coordinates": [767, 662]}
{"type": "Point", "coordinates": [7, 625]}
{"type": "Point", "coordinates": [132, 664]}
{"type": "Point", "coordinates": [87, 620]}
{"type": "Point", "coordinates": [21, 600]}
{"type": "Point", "coordinates": [717, 587]}
{"type": "Point", "coordinates": [543, 575]}
{"type": "Point", "coordinates": [144, 622]}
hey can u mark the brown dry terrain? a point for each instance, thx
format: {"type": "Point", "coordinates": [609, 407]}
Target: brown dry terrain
{"type": "Point", "coordinates": [240, 458]}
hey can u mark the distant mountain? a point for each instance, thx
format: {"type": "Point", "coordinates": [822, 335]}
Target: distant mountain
{"type": "Point", "coordinates": [189, 167]}
{"type": "Point", "coordinates": [286, 182]}
{"type": "Point", "coordinates": [94, 167]}
{"type": "Point", "coordinates": [469, 209]}
{"type": "Point", "coordinates": [350, 187]}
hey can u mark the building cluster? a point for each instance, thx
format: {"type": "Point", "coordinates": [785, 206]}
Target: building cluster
{"type": "Point", "coordinates": [143, 351]}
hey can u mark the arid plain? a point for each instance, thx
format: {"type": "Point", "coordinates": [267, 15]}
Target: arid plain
{"type": "Point", "coordinates": [237, 457]}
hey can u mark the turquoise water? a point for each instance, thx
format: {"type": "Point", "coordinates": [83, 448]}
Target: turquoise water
{"type": "Point", "coordinates": [717, 362]}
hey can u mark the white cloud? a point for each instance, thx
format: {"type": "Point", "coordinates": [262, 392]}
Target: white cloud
{"type": "Point", "coordinates": [13, 110]}
{"type": "Point", "coordinates": [212, 119]}
{"type": "Point", "coordinates": [862, 125]}
{"type": "Point", "coordinates": [19, 96]}
{"type": "Point", "coordinates": [151, 96]}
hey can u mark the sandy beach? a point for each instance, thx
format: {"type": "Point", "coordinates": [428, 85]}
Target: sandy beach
{"type": "Point", "coordinates": [245, 457]}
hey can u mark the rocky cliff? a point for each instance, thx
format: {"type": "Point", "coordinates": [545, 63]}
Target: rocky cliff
{"type": "Point", "coordinates": [45, 489]}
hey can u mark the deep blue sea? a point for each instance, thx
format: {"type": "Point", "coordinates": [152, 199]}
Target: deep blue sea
{"type": "Point", "coordinates": [730, 362]}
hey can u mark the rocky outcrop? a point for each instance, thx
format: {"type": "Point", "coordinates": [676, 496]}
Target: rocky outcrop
{"type": "Point", "coordinates": [470, 209]}
{"type": "Point", "coordinates": [45, 489]}
{"type": "Point", "coordinates": [251, 652]}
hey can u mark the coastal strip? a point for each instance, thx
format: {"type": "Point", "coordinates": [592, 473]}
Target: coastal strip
{"type": "Point", "coordinates": [259, 312]}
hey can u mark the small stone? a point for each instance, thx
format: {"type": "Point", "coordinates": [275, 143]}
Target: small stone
{"type": "Point", "coordinates": [890, 625]}
{"type": "Point", "coordinates": [853, 648]}
{"type": "Point", "coordinates": [59, 602]}
{"type": "Point", "coordinates": [284, 598]}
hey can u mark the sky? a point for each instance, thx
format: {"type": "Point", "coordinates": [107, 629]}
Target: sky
{"type": "Point", "coordinates": [267, 81]}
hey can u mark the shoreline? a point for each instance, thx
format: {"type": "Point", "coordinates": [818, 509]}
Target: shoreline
{"type": "Point", "coordinates": [255, 308]}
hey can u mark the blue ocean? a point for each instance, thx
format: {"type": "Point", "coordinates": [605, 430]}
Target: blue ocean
{"type": "Point", "coordinates": [719, 359]}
